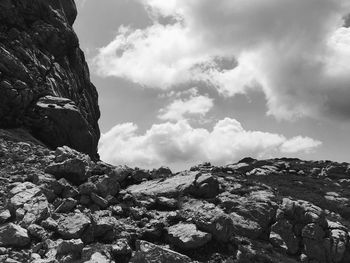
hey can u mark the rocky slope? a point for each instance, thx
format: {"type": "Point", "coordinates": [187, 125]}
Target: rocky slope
{"type": "Point", "coordinates": [44, 79]}
{"type": "Point", "coordinates": [59, 206]}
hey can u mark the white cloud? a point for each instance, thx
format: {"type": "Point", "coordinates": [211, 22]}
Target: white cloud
{"type": "Point", "coordinates": [179, 145]}
{"type": "Point", "coordinates": [179, 109]}
{"type": "Point", "coordinates": [295, 51]}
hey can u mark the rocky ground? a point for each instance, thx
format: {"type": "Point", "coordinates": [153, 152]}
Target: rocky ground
{"type": "Point", "coordinates": [59, 206]}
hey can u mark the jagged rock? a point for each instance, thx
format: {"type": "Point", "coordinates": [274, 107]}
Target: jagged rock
{"type": "Point", "coordinates": [339, 244]}
{"type": "Point", "coordinates": [103, 223]}
{"type": "Point", "coordinates": [50, 224]}
{"type": "Point", "coordinates": [245, 227]}
{"type": "Point", "coordinates": [162, 172]}
{"type": "Point", "coordinates": [200, 185]}
{"type": "Point", "coordinates": [139, 175]}
{"type": "Point", "coordinates": [64, 124]}
{"type": "Point", "coordinates": [70, 246]}
{"type": "Point", "coordinates": [23, 193]}
{"type": "Point", "coordinates": [209, 218]}
{"type": "Point", "coordinates": [37, 231]}
{"type": "Point", "coordinates": [121, 250]}
{"type": "Point", "coordinates": [303, 212]}
{"type": "Point", "coordinates": [72, 169]}
{"type": "Point", "coordinates": [107, 185]}
{"type": "Point", "coordinates": [13, 235]}
{"type": "Point", "coordinates": [4, 216]}
{"type": "Point", "coordinates": [36, 210]}
{"type": "Point", "coordinates": [282, 236]}
{"type": "Point", "coordinates": [148, 252]}
{"type": "Point", "coordinates": [72, 225]}
{"type": "Point", "coordinates": [187, 236]}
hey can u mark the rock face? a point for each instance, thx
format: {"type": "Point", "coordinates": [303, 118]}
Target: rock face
{"type": "Point", "coordinates": [44, 79]}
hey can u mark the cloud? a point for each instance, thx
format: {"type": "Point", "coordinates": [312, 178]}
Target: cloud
{"type": "Point", "coordinates": [179, 145]}
{"type": "Point", "coordinates": [297, 52]}
{"type": "Point", "coordinates": [180, 109]}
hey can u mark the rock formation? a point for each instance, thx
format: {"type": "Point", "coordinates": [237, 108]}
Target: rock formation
{"type": "Point", "coordinates": [61, 204]}
{"type": "Point", "coordinates": [44, 79]}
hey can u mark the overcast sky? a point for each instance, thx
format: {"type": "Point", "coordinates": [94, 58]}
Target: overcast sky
{"type": "Point", "coordinates": [187, 81]}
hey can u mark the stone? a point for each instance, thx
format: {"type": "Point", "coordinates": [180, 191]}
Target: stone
{"type": "Point", "coordinates": [107, 185]}
{"type": "Point", "coordinates": [243, 226]}
{"type": "Point", "coordinates": [72, 226]}
{"type": "Point", "coordinates": [23, 193]}
{"type": "Point", "coordinates": [70, 246]}
{"type": "Point", "coordinates": [74, 170]}
{"type": "Point", "coordinates": [14, 236]}
{"type": "Point", "coordinates": [209, 218]}
{"type": "Point", "coordinates": [162, 172]}
{"type": "Point", "coordinates": [339, 240]}
{"type": "Point", "coordinates": [147, 252]}
{"type": "Point", "coordinates": [103, 224]}
{"type": "Point", "coordinates": [49, 224]}
{"type": "Point", "coordinates": [190, 182]}
{"type": "Point", "coordinates": [37, 232]}
{"type": "Point", "coordinates": [187, 236]}
{"type": "Point", "coordinates": [4, 216]}
{"type": "Point", "coordinates": [205, 186]}
{"type": "Point", "coordinates": [121, 248]}
{"type": "Point", "coordinates": [282, 233]}
{"type": "Point", "coordinates": [139, 175]}
{"type": "Point", "coordinates": [36, 210]}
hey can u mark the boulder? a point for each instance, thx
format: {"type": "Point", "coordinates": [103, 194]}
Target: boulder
{"type": "Point", "coordinates": [23, 193]}
{"type": "Point", "coordinates": [14, 236]}
{"type": "Point", "coordinates": [282, 236]}
{"type": "Point", "coordinates": [210, 219]}
{"type": "Point", "coordinates": [197, 184]}
{"type": "Point", "coordinates": [187, 236]}
{"type": "Point", "coordinates": [72, 169]}
{"type": "Point", "coordinates": [70, 246]}
{"type": "Point", "coordinates": [72, 225]}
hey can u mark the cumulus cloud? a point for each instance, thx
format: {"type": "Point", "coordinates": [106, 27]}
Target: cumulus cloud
{"type": "Point", "coordinates": [179, 109]}
{"type": "Point", "coordinates": [297, 52]}
{"type": "Point", "coordinates": [179, 144]}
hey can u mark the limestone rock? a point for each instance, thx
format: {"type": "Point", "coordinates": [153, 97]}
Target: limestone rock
{"type": "Point", "coordinates": [73, 169]}
{"type": "Point", "coordinates": [148, 252]}
{"type": "Point", "coordinates": [13, 235]}
{"type": "Point", "coordinates": [187, 236]}
{"type": "Point", "coordinates": [72, 225]}
{"type": "Point", "coordinates": [70, 246]}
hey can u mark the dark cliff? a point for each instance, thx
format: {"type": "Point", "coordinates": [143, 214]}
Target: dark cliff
{"type": "Point", "coordinates": [44, 79]}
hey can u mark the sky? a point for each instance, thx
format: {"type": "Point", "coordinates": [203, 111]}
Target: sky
{"type": "Point", "coordinates": [182, 82]}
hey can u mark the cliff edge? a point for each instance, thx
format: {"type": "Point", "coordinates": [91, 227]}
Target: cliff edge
{"type": "Point", "coordinates": [44, 79]}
